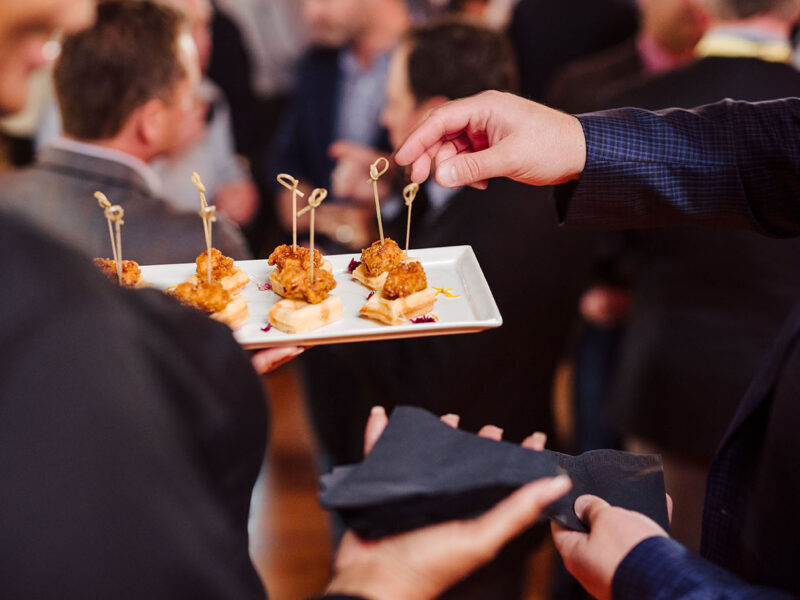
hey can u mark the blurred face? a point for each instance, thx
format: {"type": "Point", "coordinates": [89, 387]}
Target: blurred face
{"type": "Point", "coordinates": [199, 14]}
{"type": "Point", "coordinates": [180, 111]}
{"type": "Point", "coordinates": [401, 113]}
{"type": "Point", "coordinates": [25, 28]}
{"type": "Point", "coordinates": [676, 25]}
{"type": "Point", "coordinates": [334, 22]}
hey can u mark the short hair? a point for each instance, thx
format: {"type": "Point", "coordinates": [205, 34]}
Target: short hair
{"type": "Point", "coordinates": [456, 59]}
{"type": "Point", "coordinates": [129, 57]}
{"type": "Point", "coordinates": [743, 9]}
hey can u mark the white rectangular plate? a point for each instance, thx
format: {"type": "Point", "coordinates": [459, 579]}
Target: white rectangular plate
{"type": "Point", "coordinates": [454, 268]}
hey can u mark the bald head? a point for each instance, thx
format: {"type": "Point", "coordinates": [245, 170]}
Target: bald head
{"type": "Point", "coordinates": [744, 9]}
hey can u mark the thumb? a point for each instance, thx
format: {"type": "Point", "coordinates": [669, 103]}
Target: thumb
{"type": "Point", "coordinates": [588, 507]}
{"type": "Point", "coordinates": [469, 168]}
{"type": "Point", "coordinates": [376, 423]}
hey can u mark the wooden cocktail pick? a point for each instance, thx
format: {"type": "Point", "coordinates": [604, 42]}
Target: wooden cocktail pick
{"type": "Point", "coordinates": [374, 174]}
{"type": "Point", "coordinates": [290, 183]}
{"type": "Point", "coordinates": [201, 189]}
{"type": "Point", "coordinates": [314, 200]}
{"type": "Point", "coordinates": [209, 215]}
{"type": "Point", "coordinates": [114, 215]}
{"type": "Point", "coordinates": [409, 194]}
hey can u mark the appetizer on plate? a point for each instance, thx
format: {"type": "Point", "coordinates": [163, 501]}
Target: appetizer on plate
{"type": "Point", "coordinates": [131, 273]}
{"type": "Point", "coordinates": [307, 306]}
{"type": "Point", "coordinates": [223, 270]}
{"type": "Point", "coordinates": [285, 256]}
{"type": "Point", "coordinates": [305, 283]}
{"type": "Point", "coordinates": [213, 299]}
{"type": "Point", "coordinates": [405, 296]}
{"type": "Point", "coordinates": [376, 262]}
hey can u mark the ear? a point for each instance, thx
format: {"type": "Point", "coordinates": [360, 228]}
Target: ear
{"type": "Point", "coordinates": [150, 122]}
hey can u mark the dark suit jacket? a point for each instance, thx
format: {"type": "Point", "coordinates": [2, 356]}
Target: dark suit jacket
{"type": "Point", "coordinates": [57, 194]}
{"type": "Point", "coordinates": [547, 35]}
{"type": "Point", "coordinates": [586, 84]}
{"type": "Point", "coordinates": [535, 270]}
{"type": "Point", "coordinates": [133, 430]}
{"type": "Point", "coordinates": [736, 165]}
{"type": "Point", "coordinates": [707, 304]}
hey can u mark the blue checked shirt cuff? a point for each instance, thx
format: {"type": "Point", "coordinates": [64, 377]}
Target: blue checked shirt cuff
{"type": "Point", "coordinates": [660, 568]}
{"type": "Point", "coordinates": [646, 169]}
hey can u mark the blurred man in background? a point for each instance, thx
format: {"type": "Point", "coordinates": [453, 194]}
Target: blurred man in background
{"type": "Point", "coordinates": [666, 38]}
{"type": "Point", "coordinates": [125, 88]}
{"type": "Point", "coordinates": [206, 139]}
{"type": "Point", "coordinates": [505, 376]}
{"type": "Point", "coordinates": [332, 132]}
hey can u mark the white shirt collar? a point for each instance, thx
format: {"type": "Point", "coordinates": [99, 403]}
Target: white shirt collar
{"type": "Point", "coordinates": [150, 177]}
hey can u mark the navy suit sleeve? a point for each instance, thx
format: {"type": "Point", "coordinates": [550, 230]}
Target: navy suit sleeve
{"type": "Point", "coordinates": [660, 568]}
{"type": "Point", "coordinates": [729, 164]}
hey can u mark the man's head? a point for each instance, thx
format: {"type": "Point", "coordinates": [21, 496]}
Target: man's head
{"type": "Point", "coordinates": [338, 23]}
{"type": "Point", "coordinates": [129, 80]}
{"type": "Point", "coordinates": [734, 10]}
{"type": "Point", "coordinates": [675, 25]}
{"type": "Point", "coordinates": [335, 22]}
{"type": "Point", "coordinates": [441, 62]}
{"type": "Point", "coordinates": [25, 27]}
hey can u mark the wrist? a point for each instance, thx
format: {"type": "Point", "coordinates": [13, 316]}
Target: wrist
{"type": "Point", "coordinates": [578, 143]}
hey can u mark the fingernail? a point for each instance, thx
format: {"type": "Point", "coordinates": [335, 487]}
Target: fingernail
{"type": "Point", "coordinates": [491, 431]}
{"type": "Point", "coordinates": [377, 410]}
{"type": "Point", "coordinates": [451, 419]}
{"type": "Point", "coordinates": [446, 175]}
{"type": "Point", "coordinates": [539, 438]}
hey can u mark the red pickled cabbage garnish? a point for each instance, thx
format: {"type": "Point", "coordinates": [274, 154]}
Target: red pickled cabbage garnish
{"type": "Point", "coordinates": [264, 287]}
{"type": "Point", "coordinates": [371, 294]}
{"type": "Point", "coordinates": [353, 265]}
{"type": "Point", "coordinates": [423, 319]}
{"type": "Point", "coordinates": [267, 328]}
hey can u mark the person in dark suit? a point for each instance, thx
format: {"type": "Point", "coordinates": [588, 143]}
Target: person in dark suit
{"type": "Point", "coordinates": [707, 304]}
{"type": "Point", "coordinates": [726, 165]}
{"type": "Point", "coordinates": [122, 103]}
{"type": "Point", "coordinates": [505, 376]}
{"type": "Point", "coordinates": [668, 32]}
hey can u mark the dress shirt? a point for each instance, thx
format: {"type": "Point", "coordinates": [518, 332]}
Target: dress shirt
{"type": "Point", "coordinates": [729, 164]}
{"type": "Point", "coordinates": [362, 98]}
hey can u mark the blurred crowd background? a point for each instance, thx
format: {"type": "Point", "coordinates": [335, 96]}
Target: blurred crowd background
{"type": "Point", "coordinates": [636, 340]}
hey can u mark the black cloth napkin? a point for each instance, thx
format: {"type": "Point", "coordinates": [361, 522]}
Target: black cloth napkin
{"type": "Point", "coordinates": [422, 471]}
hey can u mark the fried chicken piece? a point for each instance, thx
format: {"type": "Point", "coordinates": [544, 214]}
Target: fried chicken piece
{"type": "Point", "coordinates": [131, 273]}
{"type": "Point", "coordinates": [284, 255]}
{"type": "Point", "coordinates": [404, 280]}
{"type": "Point", "coordinates": [379, 258]}
{"type": "Point", "coordinates": [297, 285]}
{"type": "Point", "coordinates": [221, 265]}
{"type": "Point", "coordinates": [205, 297]}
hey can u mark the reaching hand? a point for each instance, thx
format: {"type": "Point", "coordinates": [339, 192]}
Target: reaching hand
{"type": "Point", "coordinates": [422, 564]}
{"type": "Point", "coordinates": [593, 558]}
{"type": "Point", "coordinates": [495, 134]}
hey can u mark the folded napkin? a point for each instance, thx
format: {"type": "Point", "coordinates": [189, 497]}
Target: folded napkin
{"type": "Point", "coordinates": [422, 471]}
